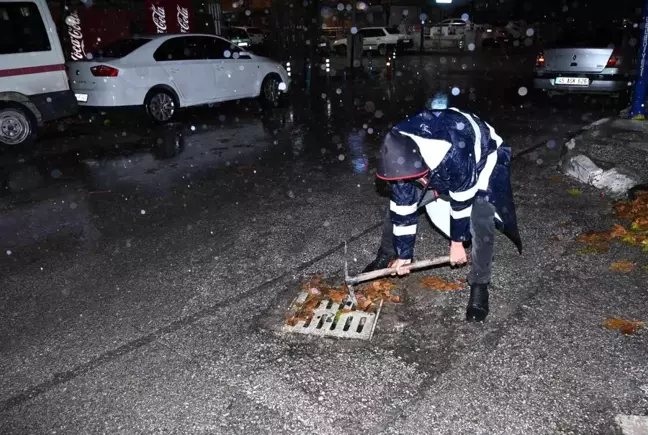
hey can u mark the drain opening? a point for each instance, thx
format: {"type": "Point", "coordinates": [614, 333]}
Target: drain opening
{"type": "Point", "coordinates": [361, 325]}
{"type": "Point", "coordinates": [335, 319]}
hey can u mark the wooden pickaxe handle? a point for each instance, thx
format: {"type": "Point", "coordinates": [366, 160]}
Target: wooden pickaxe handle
{"type": "Point", "coordinates": [352, 280]}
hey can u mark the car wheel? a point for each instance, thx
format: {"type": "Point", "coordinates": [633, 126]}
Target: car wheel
{"type": "Point", "coordinates": [382, 49]}
{"type": "Point", "coordinates": [270, 93]}
{"type": "Point", "coordinates": [17, 127]}
{"type": "Point", "coordinates": [161, 105]}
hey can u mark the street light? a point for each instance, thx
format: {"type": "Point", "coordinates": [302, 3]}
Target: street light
{"type": "Point", "coordinates": [445, 2]}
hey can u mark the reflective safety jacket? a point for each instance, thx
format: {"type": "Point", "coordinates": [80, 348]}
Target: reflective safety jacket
{"type": "Point", "coordinates": [458, 155]}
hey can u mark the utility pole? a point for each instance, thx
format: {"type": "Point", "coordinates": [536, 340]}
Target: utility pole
{"type": "Point", "coordinates": [638, 110]}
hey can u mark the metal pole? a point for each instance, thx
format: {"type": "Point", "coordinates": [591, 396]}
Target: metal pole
{"type": "Point", "coordinates": [638, 110]}
{"type": "Point", "coordinates": [353, 24]}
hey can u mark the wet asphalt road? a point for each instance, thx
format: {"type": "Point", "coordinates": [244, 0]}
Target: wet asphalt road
{"type": "Point", "coordinates": [144, 280]}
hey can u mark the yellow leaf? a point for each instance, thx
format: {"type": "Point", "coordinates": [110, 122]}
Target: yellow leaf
{"type": "Point", "coordinates": [574, 192]}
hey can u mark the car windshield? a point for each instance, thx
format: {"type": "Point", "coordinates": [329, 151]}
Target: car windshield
{"type": "Point", "coordinates": [393, 31]}
{"type": "Point", "coordinates": [120, 48]}
{"type": "Point", "coordinates": [602, 38]}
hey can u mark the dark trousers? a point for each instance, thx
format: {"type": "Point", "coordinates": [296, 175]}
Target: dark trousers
{"type": "Point", "coordinates": [482, 229]}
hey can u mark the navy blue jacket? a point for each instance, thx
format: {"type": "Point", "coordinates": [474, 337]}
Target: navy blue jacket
{"type": "Point", "coordinates": [458, 155]}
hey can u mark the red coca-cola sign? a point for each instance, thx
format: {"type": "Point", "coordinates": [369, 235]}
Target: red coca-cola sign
{"type": "Point", "coordinates": [169, 16]}
{"type": "Point", "coordinates": [73, 23]}
{"type": "Point", "coordinates": [158, 17]}
{"type": "Point", "coordinates": [183, 18]}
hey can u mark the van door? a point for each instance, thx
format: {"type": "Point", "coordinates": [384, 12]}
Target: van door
{"type": "Point", "coordinates": [32, 69]}
{"type": "Point", "coordinates": [32, 61]}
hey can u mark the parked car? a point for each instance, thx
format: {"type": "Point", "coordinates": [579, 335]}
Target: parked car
{"type": "Point", "coordinates": [34, 87]}
{"type": "Point", "coordinates": [254, 34]}
{"type": "Point", "coordinates": [379, 39]}
{"type": "Point", "coordinates": [165, 72]}
{"type": "Point", "coordinates": [448, 27]}
{"type": "Point", "coordinates": [582, 61]}
{"type": "Point", "coordinates": [238, 37]}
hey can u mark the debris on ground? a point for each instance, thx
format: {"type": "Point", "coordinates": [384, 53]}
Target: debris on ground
{"type": "Point", "coordinates": [636, 212]}
{"type": "Point", "coordinates": [622, 266]}
{"type": "Point", "coordinates": [626, 327]}
{"type": "Point", "coordinates": [574, 192]}
{"type": "Point", "coordinates": [439, 284]}
{"type": "Point", "coordinates": [368, 297]}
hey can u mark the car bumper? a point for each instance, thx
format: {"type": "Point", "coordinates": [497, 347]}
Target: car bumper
{"type": "Point", "coordinates": [597, 85]}
{"type": "Point", "coordinates": [55, 105]}
{"type": "Point", "coordinates": [109, 98]}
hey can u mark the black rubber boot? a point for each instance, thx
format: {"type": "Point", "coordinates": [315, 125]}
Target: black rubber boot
{"type": "Point", "coordinates": [478, 303]}
{"type": "Point", "coordinates": [381, 261]}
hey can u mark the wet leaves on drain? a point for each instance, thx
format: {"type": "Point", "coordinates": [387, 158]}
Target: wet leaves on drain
{"type": "Point", "coordinates": [627, 327]}
{"type": "Point", "coordinates": [368, 296]}
{"type": "Point", "coordinates": [439, 284]}
{"type": "Point", "coordinates": [622, 266]}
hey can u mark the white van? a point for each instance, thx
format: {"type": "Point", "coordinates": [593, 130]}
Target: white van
{"type": "Point", "coordinates": [34, 86]}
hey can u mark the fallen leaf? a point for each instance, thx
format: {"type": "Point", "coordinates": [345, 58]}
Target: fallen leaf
{"type": "Point", "coordinates": [594, 237]}
{"type": "Point", "coordinates": [618, 231]}
{"type": "Point", "coordinates": [622, 266]}
{"type": "Point", "coordinates": [597, 248]}
{"type": "Point", "coordinates": [436, 283]}
{"type": "Point", "coordinates": [396, 299]}
{"type": "Point", "coordinates": [627, 327]}
{"type": "Point", "coordinates": [556, 178]}
{"type": "Point", "coordinates": [574, 192]}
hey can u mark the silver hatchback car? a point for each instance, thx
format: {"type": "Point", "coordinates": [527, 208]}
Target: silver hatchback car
{"type": "Point", "coordinates": [596, 61]}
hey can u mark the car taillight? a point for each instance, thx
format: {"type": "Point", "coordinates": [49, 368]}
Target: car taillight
{"type": "Point", "coordinates": [614, 60]}
{"type": "Point", "coordinates": [104, 71]}
{"type": "Point", "coordinates": [540, 60]}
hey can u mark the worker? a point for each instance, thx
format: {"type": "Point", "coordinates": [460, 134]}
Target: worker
{"type": "Point", "coordinates": [456, 166]}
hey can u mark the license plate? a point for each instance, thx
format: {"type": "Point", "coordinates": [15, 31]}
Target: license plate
{"type": "Point", "coordinates": [578, 81]}
{"type": "Point", "coordinates": [81, 98]}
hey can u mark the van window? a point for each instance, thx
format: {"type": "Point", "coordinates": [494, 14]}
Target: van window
{"type": "Point", "coordinates": [22, 29]}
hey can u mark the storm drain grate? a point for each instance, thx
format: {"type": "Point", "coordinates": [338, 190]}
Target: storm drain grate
{"type": "Point", "coordinates": [328, 321]}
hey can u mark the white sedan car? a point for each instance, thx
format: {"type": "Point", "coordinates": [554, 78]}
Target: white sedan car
{"type": "Point", "coordinates": [166, 72]}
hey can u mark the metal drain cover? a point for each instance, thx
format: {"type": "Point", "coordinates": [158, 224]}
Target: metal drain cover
{"type": "Point", "coordinates": [355, 324]}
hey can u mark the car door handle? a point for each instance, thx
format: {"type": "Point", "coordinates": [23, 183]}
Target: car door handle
{"type": "Point", "coordinates": [174, 70]}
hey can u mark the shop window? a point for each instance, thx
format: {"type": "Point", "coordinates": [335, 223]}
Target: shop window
{"type": "Point", "coordinates": [22, 29]}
